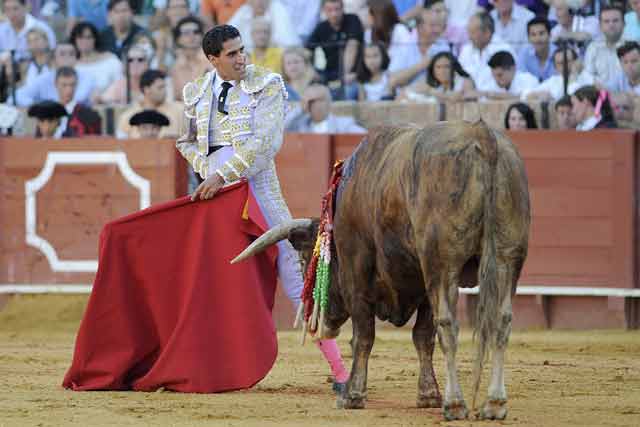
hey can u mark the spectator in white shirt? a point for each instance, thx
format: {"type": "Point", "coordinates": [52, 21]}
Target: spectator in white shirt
{"type": "Point", "coordinates": [384, 27]}
{"type": "Point", "coordinates": [454, 29]}
{"type": "Point", "coordinates": [305, 14]}
{"type": "Point", "coordinates": [504, 82]}
{"type": "Point", "coordinates": [629, 80]}
{"type": "Point", "coordinates": [284, 32]}
{"type": "Point", "coordinates": [40, 55]}
{"type": "Point", "coordinates": [412, 66]}
{"type": "Point", "coordinates": [372, 71]}
{"type": "Point", "coordinates": [13, 31]}
{"type": "Point", "coordinates": [572, 27]}
{"type": "Point", "coordinates": [315, 115]}
{"type": "Point", "coordinates": [511, 22]}
{"type": "Point", "coordinates": [553, 87]}
{"type": "Point", "coordinates": [483, 43]}
{"type": "Point", "coordinates": [601, 59]}
{"type": "Point", "coordinates": [632, 21]}
{"type": "Point", "coordinates": [103, 65]}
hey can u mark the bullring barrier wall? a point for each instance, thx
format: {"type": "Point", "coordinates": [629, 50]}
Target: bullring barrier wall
{"type": "Point", "coordinates": [583, 187]}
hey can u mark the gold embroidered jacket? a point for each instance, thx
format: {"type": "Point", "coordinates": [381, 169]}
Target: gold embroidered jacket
{"type": "Point", "coordinates": [254, 125]}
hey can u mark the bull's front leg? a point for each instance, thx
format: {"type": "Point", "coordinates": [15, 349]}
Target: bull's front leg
{"type": "Point", "coordinates": [363, 337]}
{"type": "Point", "coordinates": [424, 334]}
{"type": "Point", "coordinates": [444, 297]}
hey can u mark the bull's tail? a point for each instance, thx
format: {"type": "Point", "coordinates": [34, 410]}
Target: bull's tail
{"type": "Point", "coordinates": [487, 307]}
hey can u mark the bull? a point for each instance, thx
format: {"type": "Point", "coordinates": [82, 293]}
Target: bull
{"type": "Point", "coordinates": [419, 213]}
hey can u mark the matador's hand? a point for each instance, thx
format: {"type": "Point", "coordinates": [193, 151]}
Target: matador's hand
{"type": "Point", "coordinates": [208, 188]}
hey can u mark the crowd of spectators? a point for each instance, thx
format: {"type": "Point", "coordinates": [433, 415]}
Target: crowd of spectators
{"type": "Point", "coordinates": [582, 57]}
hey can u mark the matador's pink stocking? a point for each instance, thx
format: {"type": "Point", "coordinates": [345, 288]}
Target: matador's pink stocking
{"type": "Point", "coordinates": [331, 352]}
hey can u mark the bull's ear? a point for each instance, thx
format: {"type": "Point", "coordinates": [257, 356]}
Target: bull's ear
{"type": "Point", "coordinates": [304, 238]}
{"type": "Point", "coordinates": [301, 239]}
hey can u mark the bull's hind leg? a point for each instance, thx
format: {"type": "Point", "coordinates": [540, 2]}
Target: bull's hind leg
{"type": "Point", "coordinates": [424, 334]}
{"type": "Point", "coordinates": [495, 407]}
{"type": "Point", "coordinates": [444, 297]}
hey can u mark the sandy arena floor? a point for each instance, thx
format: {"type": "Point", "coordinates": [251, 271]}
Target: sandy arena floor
{"type": "Point", "coordinates": [553, 379]}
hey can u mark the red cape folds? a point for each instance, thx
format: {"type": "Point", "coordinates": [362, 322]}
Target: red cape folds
{"type": "Point", "coordinates": [168, 310]}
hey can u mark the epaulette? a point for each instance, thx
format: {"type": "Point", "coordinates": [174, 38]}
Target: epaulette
{"type": "Point", "coordinates": [193, 91]}
{"type": "Point", "coordinates": [258, 78]}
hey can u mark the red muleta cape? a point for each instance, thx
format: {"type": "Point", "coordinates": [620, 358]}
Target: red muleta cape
{"type": "Point", "coordinates": [168, 310]}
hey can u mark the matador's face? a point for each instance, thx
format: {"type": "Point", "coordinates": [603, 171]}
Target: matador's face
{"type": "Point", "coordinates": [231, 64]}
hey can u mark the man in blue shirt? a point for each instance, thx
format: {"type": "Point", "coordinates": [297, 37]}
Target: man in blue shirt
{"type": "Point", "coordinates": [632, 21]}
{"type": "Point", "coordinates": [43, 87]}
{"type": "Point", "coordinates": [94, 11]}
{"type": "Point", "coordinates": [537, 55]}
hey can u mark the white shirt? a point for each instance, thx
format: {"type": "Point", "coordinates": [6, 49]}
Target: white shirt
{"type": "Point", "coordinates": [402, 46]}
{"type": "Point", "coordinates": [515, 31]}
{"type": "Point", "coordinates": [521, 81]}
{"type": "Point", "coordinates": [217, 89]}
{"type": "Point", "coordinates": [105, 71]}
{"type": "Point", "coordinates": [217, 85]}
{"type": "Point", "coordinates": [33, 71]}
{"type": "Point", "coordinates": [621, 83]}
{"type": "Point", "coordinates": [582, 24]}
{"type": "Point", "coordinates": [461, 10]}
{"type": "Point", "coordinates": [412, 55]}
{"type": "Point", "coordinates": [305, 14]}
{"type": "Point", "coordinates": [588, 124]}
{"type": "Point", "coordinates": [475, 61]}
{"type": "Point", "coordinates": [374, 91]}
{"type": "Point", "coordinates": [283, 32]}
{"type": "Point", "coordinates": [9, 39]}
{"type": "Point", "coordinates": [194, 5]}
{"type": "Point", "coordinates": [555, 85]}
{"type": "Point", "coordinates": [320, 127]}
{"type": "Point", "coordinates": [602, 62]}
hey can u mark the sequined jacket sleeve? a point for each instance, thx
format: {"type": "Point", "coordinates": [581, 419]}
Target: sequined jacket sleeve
{"type": "Point", "coordinates": [255, 152]}
{"type": "Point", "coordinates": [187, 144]}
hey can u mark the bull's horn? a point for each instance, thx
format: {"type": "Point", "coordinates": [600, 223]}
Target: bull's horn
{"type": "Point", "coordinates": [273, 235]}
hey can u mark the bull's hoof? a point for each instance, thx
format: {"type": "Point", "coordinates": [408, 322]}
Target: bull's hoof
{"type": "Point", "coordinates": [494, 409]}
{"type": "Point", "coordinates": [353, 401]}
{"type": "Point", "coordinates": [429, 401]}
{"type": "Point", "coordinates": [455, 411]}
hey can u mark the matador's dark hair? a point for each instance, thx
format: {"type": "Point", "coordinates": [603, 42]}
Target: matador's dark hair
{"type": "Point", "coordinates": [215, 38]}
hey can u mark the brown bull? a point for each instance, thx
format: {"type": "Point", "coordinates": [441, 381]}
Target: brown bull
{"type": "Point", "coordinates": [419, 213]}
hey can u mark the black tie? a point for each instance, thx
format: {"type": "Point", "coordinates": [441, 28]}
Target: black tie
{"type": "Point", "coordinates": [223, 96]}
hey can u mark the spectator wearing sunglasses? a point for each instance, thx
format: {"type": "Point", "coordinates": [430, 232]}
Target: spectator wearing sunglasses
{"type": "Point", "coordinates": [190, 61]}
{"type": "Point", "coordinates": [137, 62]}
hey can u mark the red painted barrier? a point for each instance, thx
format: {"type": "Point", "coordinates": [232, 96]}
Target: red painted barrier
{"type": "Point", "coordinates": [583, 189]}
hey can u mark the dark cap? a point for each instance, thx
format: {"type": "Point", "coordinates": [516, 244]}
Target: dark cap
{"type": "Point", "coordinates": [47, 110]}
{"type": "Point", "coordinates": [149, 117]}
